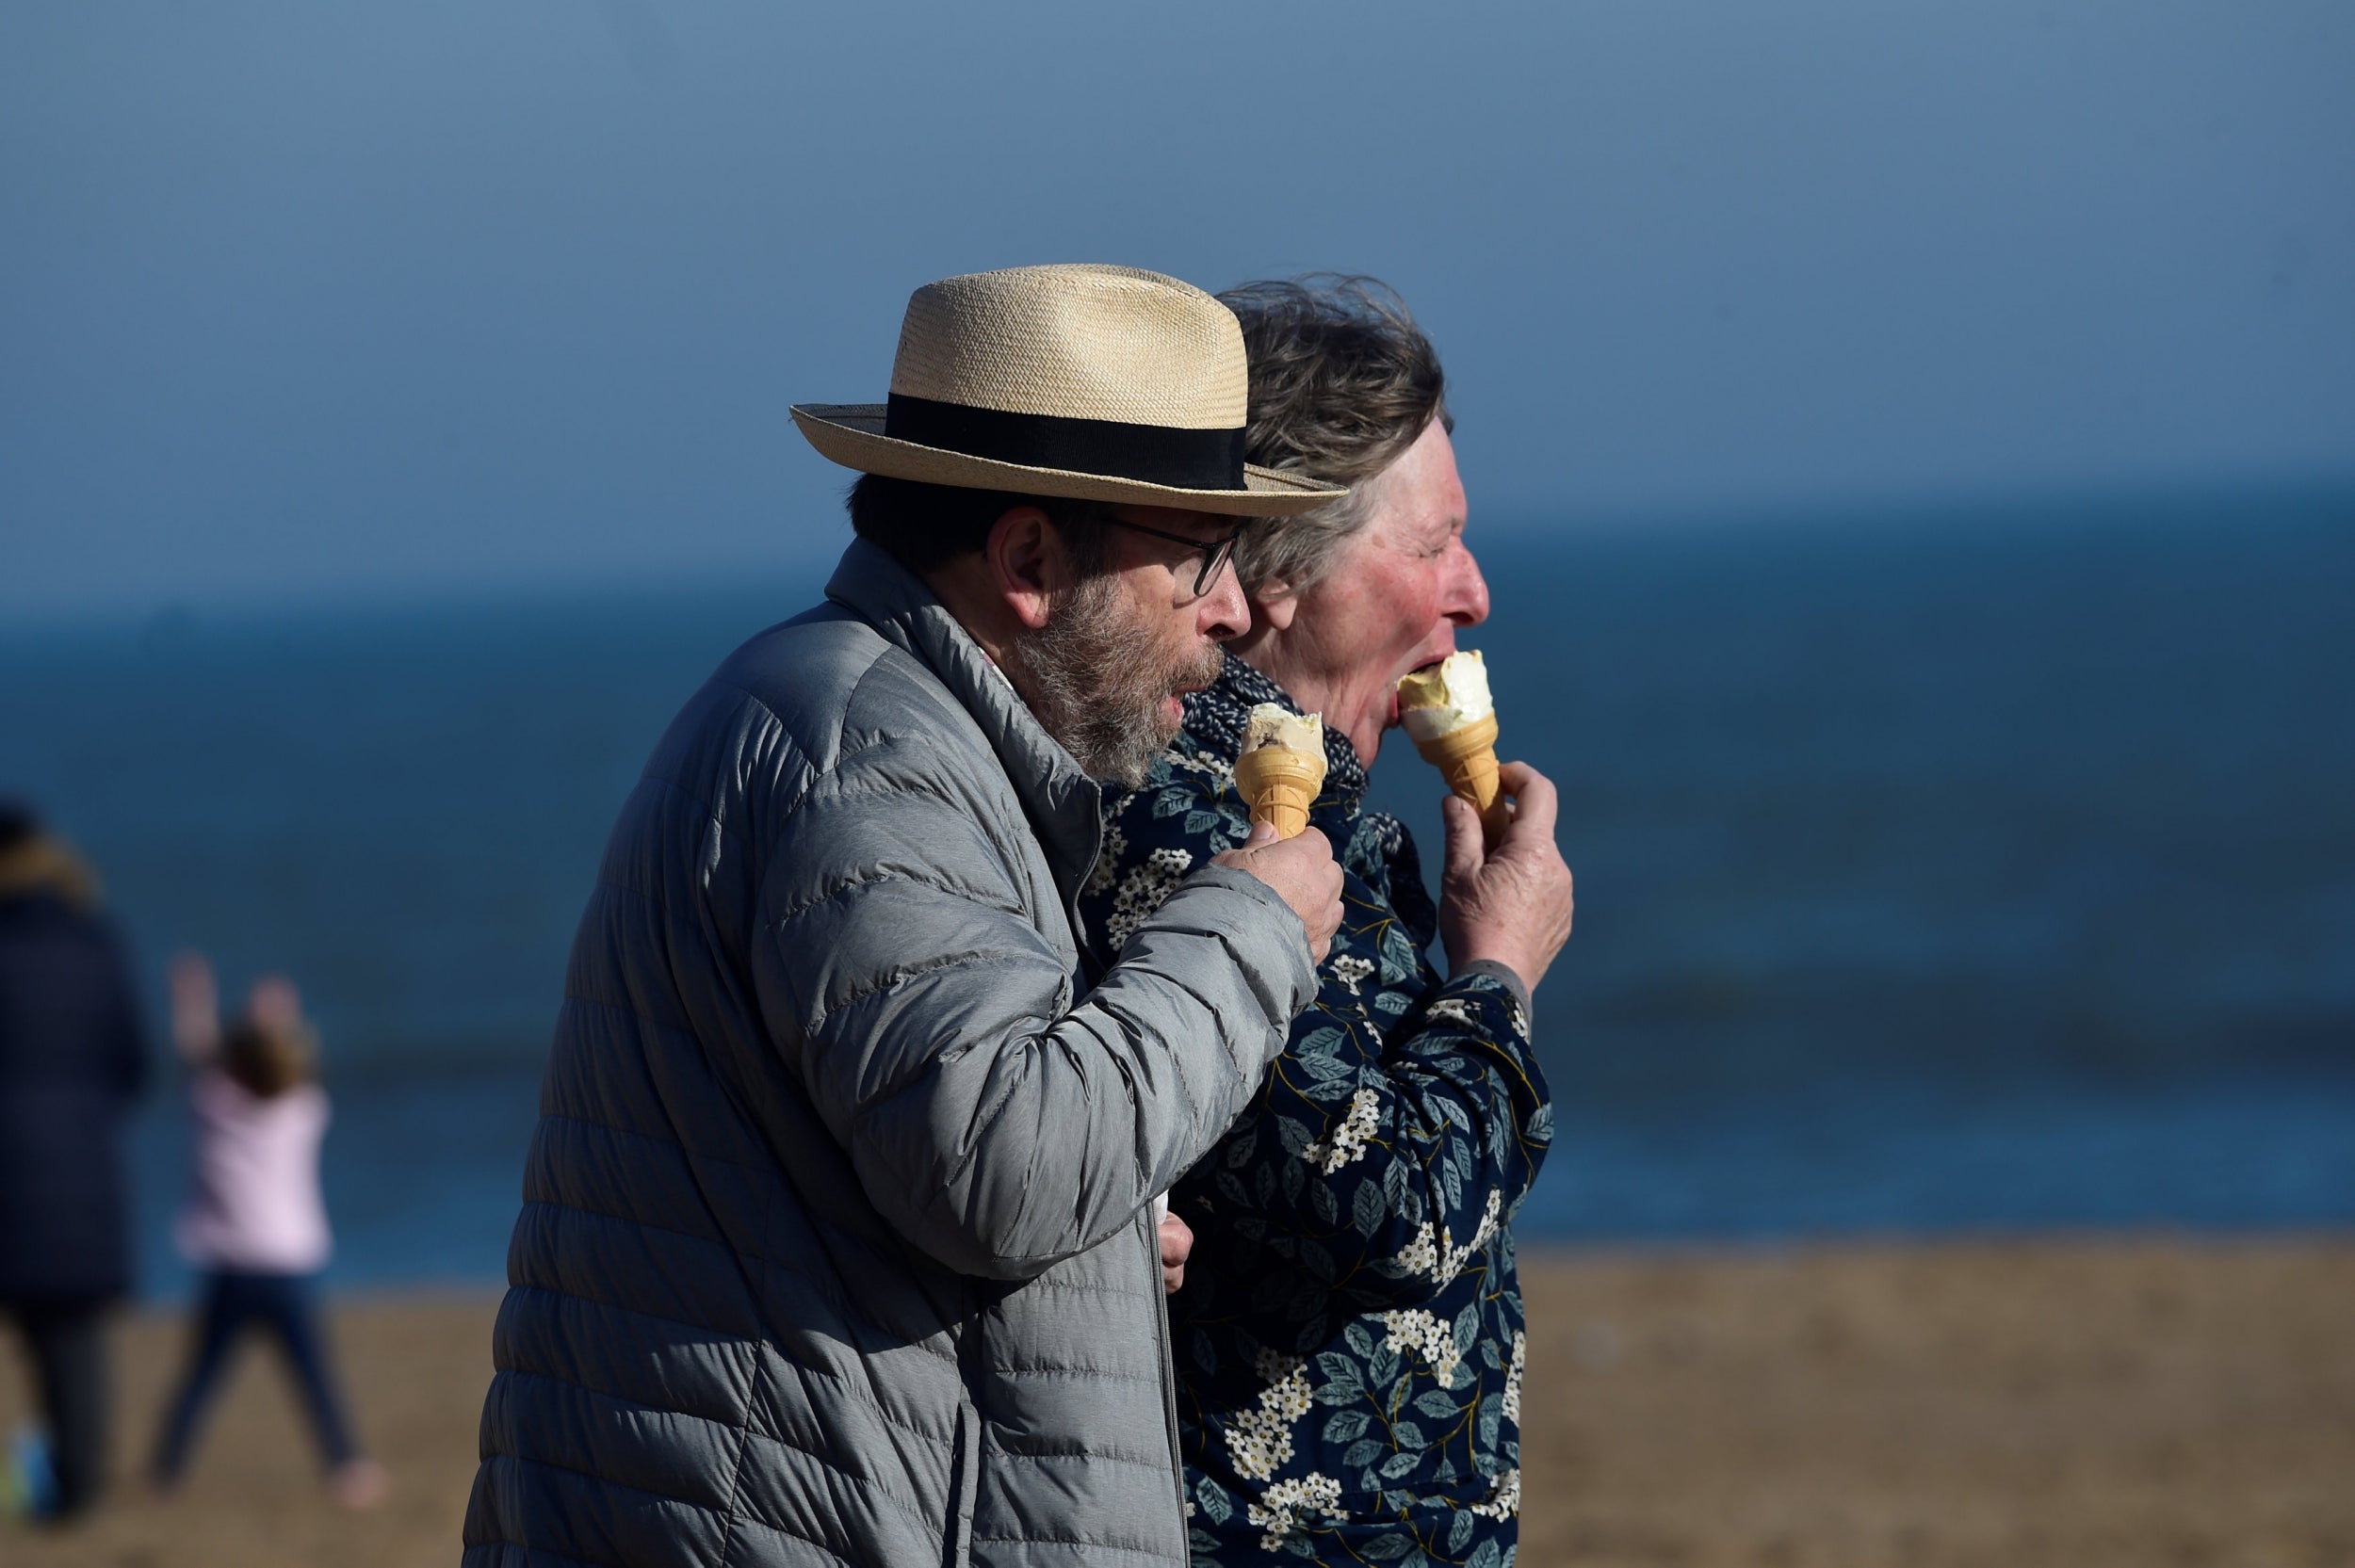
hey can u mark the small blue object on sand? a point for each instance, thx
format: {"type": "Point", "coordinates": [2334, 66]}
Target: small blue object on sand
{"type": "Point", "coordinates": [31, 1482]}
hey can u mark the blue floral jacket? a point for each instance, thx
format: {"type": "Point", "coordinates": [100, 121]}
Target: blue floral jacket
{"type": "Point", "coordinates": [1349, 1339]}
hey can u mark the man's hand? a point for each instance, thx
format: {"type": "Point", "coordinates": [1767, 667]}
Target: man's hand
{"type": "Point", "coordinates": [1511, 905]}
{"type": "Point", "coordinates": [1304, 874]}
{"type": "Point", "coordinates": [1176, 1245]}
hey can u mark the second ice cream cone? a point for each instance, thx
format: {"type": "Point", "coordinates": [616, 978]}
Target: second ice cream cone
{"type": "Point", "coordinates": [1279, 784]}
{"type": "Point", "coordinates": [1466, 758]}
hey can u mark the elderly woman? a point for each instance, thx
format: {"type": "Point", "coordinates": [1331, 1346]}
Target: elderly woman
{"type": "Point", "coordinates": [1347, 1342]}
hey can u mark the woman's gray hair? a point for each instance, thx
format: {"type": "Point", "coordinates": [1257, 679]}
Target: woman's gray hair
{"type": "Point", "coordinates": [1342, 383]}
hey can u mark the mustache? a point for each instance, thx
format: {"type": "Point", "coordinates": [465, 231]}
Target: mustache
{"type": "Point", "coordinates": [1201, 671]}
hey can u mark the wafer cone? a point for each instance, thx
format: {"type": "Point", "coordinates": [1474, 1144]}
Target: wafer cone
{"type": "Point", "coordinates": [1280, 784]}
{"type": "Point", "coordinates": [1466, 758]}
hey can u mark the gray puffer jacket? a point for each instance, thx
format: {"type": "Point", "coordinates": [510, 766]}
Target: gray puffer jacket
{"type": "Point", "coordinates": [837, 1242]}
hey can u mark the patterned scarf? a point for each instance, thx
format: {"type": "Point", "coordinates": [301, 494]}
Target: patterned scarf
{"type": "Point", "coordinates": [1216, 716]}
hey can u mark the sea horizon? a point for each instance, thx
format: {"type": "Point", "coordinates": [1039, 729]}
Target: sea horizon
{"type": "Point", "coordinates": [1985, 874]}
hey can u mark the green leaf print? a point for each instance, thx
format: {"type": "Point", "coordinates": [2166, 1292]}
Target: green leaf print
{"type": "Point", "coordinates": [1341, 1372]}
{"type": "Point", "coordinates": [1327, 1207]}
{"type": "Point", "coordinates": [1400, 962]}
{"type": "Point", "coordinates": [1438, 1404]}
{"type": "Point", "coordinates": [1345, 1426]}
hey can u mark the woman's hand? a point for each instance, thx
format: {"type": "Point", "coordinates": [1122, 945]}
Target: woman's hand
{"type": "Point", "coordinates": [1176, 1245]}
{"type": "Point", "coordinates": [1511, 905]}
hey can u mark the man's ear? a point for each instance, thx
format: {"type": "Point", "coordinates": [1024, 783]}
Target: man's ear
{"type": "Point", "coordinates": [1029, 568]}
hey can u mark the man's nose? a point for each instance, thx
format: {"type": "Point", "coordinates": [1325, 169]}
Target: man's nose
{"type": "Point", "coordinates": [1467, 599]}
{"type": "Point", "coordinates": [1222, 612]}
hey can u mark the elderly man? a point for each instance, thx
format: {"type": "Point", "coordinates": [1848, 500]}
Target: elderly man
{"type": "Point", "coordinates": [837, 1242]}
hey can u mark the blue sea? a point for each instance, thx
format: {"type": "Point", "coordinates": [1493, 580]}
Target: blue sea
{"type": "Point", "coordinates": [1977, 871]}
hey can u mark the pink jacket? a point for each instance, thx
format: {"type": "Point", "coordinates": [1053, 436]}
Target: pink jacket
{"type": "Point", "coordinates": [256, 1206]}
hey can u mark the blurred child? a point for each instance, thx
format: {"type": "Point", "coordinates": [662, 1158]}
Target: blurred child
{"type": "Point", "coordinates": [255, 1224]}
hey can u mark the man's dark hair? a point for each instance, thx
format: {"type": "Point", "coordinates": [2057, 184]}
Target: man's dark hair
{"type": "Point", "coordinates": [18, 825]}
{"type": "Point", "coordinates": [927, 525]}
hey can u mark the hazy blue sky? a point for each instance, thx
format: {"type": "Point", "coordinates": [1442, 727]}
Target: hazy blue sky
{"type": "Point", "coordinates": [336, 300]}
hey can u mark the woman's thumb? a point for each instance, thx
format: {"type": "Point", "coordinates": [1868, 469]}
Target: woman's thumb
{"type": "Point", "coordinates": [1262, 831]}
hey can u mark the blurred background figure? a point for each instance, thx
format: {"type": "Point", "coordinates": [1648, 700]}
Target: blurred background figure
{"type": "Point", "coordinates": [71, 1065]}
{"type": "Point", "coordinates": [255, 1223]}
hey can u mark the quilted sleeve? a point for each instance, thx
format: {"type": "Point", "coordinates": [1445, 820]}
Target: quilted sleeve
{"type": "Point", "coordinates": [999, 1122]}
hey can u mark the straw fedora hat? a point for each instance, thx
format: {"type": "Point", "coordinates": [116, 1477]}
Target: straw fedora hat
{"type": "Point", "coordinates": [1102, 384]}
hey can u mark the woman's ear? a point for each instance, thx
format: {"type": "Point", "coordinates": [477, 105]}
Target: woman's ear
{"type": "Point", "coordinates": [1273, 604]}
{"type": "Point", "coordinates": [1029, 565]}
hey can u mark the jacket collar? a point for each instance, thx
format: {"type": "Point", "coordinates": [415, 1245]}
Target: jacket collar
{"type": "Point", "coordinates": [1061, 801]}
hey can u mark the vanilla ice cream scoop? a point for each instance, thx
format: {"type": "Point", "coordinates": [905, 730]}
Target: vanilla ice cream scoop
{"type": "Point", "coordinates": [1273, 724]}
{"type": "Point", "coordinates": [1453, 722]}
{"type": "Point", "coordinates": [1445, 697]}
{"type": "Point", "coordinates": [1281, 771]}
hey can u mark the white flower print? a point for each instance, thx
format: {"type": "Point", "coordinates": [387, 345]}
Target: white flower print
{"type": "Point", "coordinates": [1107, 867]}
{"type": "Point", "coordinates": [1349, 1139]}
{"type": "Point", "coordinates": [1143, 892]}
{"type": "Point", "coordinates": [1441, 1258]}
{"type": "Point", "coordinates": [1217, 769]}
{"type": "Point", "coordinates": [1505, 1501]}
{"type": "Point", "coordinates": [1416, 1329]}
{"type": "Point", "coordinates": [1279, 1507]}
{"type": "Point", "coordinates": [1455, 1010]}
{"type": "Point", "coordinates": [1262, 1439]}
{"type": "Point", "coordinates": [1351, 971]}
{"type": "Point", "coordinates": [1419, 1256]}
{"type": "Point", "coordinates": [1513, 1377]}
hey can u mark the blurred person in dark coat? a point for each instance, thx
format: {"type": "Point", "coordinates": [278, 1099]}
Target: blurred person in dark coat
{"type": "Point", "coordinates": [71, 1065]}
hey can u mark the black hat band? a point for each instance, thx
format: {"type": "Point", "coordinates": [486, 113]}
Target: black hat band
{"type": "Point", "coordinates": [1150, 454]}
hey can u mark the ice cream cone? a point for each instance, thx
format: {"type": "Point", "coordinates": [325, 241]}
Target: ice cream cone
{"type": "Point", "coordinates": [1466, 758]}
{"type": "Point", "coordinates": [1279, 784]}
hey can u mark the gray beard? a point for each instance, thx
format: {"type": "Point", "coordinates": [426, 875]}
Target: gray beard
{"type": "Point", "coordinates": [1093, 690]}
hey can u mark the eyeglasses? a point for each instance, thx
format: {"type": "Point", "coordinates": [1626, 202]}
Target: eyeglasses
{"type": "Point", "coordinates": [1214, 551]}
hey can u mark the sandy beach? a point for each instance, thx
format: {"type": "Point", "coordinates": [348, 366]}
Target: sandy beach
{"type": "Point", "coordinates": [2017, 1404]}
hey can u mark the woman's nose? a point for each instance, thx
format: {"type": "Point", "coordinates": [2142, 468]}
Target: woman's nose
{"type": "Point", "coordinates": [1467, 600]}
